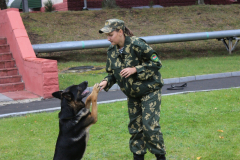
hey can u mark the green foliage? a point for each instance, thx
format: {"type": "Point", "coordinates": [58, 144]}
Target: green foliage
{"type": "Point", "coordinates": [49, 6]}
{"type": "Point", "coordinates": [109, 4]}
{"type": "Point", "coordinates": [151, 3]}
{"type": "Point", "coordinates": [3, 4]}
{"type": "Point", "coordinates": [203, 124]}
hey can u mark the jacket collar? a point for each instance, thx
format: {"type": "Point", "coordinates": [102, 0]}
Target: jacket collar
{"type": "Point", "coordinates": [127, 42]}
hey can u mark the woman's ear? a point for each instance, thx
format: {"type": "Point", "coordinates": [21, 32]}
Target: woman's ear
{"type": "Point", "coordinates": [121, 32]}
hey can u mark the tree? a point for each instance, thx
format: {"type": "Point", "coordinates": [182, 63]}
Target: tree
{"type": "Point", "coordinates": [3, 4]}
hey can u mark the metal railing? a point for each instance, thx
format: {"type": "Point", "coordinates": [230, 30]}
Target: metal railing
{"type": "Point", "coordinates": [227, 35]}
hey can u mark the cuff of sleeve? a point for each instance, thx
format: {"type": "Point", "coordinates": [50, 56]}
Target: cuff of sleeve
{"type": "Point", "coordinates": [108, 86]}
{"type": "Point", "coordinates": [139, 69]}
{"type": "Point", "coordinates": [105, 79]}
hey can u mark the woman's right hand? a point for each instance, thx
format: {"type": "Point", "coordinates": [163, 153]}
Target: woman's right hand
{"type": "Point", "coordinates": [103, 84]}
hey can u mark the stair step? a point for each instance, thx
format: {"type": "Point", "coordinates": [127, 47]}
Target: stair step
{"type": "Point", "coordinates": [7, 64]}
{"type": "Point", "coordinates": [3, 40]}
{"type": "Point", "coordinates": [10, 87]}
{"type": "Point", "coordinates": [4, 48]}
{"type": "Point", "coordinates": [6, 56]}
{"type": "Point", "coordinates": [8, 72]}
{"type": "Point", "coordinates": [10, 79]}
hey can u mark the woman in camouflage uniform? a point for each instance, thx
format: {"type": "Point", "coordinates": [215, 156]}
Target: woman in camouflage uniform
{"type": "Point", "coordinates": [134, 65]}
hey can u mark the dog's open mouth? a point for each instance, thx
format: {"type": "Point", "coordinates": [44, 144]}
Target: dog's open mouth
{"type": "Point", "coordinates": [85, 93]}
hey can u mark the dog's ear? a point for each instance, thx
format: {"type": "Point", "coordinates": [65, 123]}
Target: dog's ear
{"type": "Point", "coordinates": [57, 94]}
{"type": "Point", "coordinates": [67, 95]}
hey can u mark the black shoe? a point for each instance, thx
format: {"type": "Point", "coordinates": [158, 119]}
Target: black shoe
{"type": "Point", "coordinates": [138, 157]}
{"type": "Point", "coordinates": [160, 156]}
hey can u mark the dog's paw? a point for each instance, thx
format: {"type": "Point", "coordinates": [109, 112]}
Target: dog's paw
{"type": "Point", "coordinates": [83, 112]}
{"type": "Point", "coordinates": [96, 88]}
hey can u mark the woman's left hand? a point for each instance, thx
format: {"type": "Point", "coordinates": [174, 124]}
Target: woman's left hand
{"type": "Point", "coordinates": [126, 72]}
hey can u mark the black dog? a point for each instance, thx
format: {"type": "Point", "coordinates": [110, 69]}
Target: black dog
{"type": "Point", "coordinates": [75, 120]}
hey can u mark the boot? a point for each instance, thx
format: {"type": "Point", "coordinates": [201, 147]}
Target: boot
{"type": "Point", "coordinates": [160, 156]}
{"type": "Point", "coordinates": [138, 157]}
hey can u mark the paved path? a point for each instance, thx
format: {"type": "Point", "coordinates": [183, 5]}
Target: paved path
{"type": "Point", "coordinates": [43, 105]}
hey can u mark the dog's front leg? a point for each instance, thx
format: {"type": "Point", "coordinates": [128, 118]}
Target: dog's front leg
{"type": "Point", "coordinates": [88, 100]}
{"type": "Point", "coordinates": [94, 96]}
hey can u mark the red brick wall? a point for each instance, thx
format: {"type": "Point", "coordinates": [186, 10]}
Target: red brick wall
{"type": "Point", "coordinates": [168, 3]}
{"type": "Point", "coordinates": [79, 4]}
{"type": "Point", "coordinates": [217, 2]}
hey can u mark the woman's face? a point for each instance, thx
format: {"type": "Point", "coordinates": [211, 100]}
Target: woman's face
{"type": "Point", "coordinates": [114, 37]}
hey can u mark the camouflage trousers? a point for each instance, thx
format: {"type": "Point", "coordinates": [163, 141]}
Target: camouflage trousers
{"type": "Point", "coordinates": [144, 115]}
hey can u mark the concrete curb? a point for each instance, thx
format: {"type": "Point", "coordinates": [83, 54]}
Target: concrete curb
{"type": "Point", "coordinates": [200, 77]}
{"type": "Point", "coordinates": [11, 101]}
{"type": "Point", "coordinates": [187, 79]}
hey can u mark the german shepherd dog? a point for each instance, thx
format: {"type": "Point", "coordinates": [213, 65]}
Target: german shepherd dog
{"type": "Point", "coordinates": [75, 120]}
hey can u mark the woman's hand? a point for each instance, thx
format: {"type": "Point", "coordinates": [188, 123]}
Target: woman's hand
{"type": "Point", "coordinates": [102, 85]}
{"type": "Point", "coordinates": [126, 72]}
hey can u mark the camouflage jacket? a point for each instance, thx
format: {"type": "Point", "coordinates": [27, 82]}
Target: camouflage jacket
{"type": "Point", "coordinates": [136, 53]}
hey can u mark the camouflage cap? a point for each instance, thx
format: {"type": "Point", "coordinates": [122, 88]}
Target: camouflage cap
{"type": "Point", "coordinates": [112, 25]}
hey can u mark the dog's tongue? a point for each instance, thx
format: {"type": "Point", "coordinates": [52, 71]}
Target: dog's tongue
{"type": "Point", "coordinates": [85, 92]}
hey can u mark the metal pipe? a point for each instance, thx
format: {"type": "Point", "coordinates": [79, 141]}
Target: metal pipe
{"type": "Point", "coordinates": [71, 45]}
{"type": "Point", "coordinates": [191, 36]}
{"type": "Point", "coordinates": [103, 43]}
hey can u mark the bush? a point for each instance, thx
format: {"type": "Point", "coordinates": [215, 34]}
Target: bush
{"type": "Point", "coordinates": [49, 6]}
{"type": "Point", "coordinates": [3, 4]}
{"type": "Point", "coordinates": [109, 4]}
{"type": "Point", "coordinates": [151, 3]}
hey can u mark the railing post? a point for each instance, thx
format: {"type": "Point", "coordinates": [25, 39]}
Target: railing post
{"type": "Point", "coordinates": [230, 45]}
{"type": "Point", "coordinates": [85, 5]}
{"type": "Point", "coordinates": [25, 6]}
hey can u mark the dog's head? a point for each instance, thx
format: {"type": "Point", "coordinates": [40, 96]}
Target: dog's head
{"type": "Point", "coordinates": [71, 100]}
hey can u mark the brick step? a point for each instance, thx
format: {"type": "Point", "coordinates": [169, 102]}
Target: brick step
{"type": "Point", "coordinates": [10, 87]}
{"type": "Point", "coordinates": [7, 64]}
{"type": "Point", "coordinates": [8, 72]}
{"type": "Point", "coordinates": [10, 79]}
{"type": "Point", "coordinates": [4, 48]}
{"type": "Point", "coordinates": [3, 40]}
{"type": "Point", "coordinates": [6, 56]}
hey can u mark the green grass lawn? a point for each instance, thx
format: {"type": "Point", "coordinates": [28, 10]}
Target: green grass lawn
{"type": "Point", "coordinates": [171, 68]}
{"type": "Point", "coordinates": [203, 124]}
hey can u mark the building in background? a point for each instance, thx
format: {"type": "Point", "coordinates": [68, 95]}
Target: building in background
{"type": "Point", "coordinates": [76, 5]}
